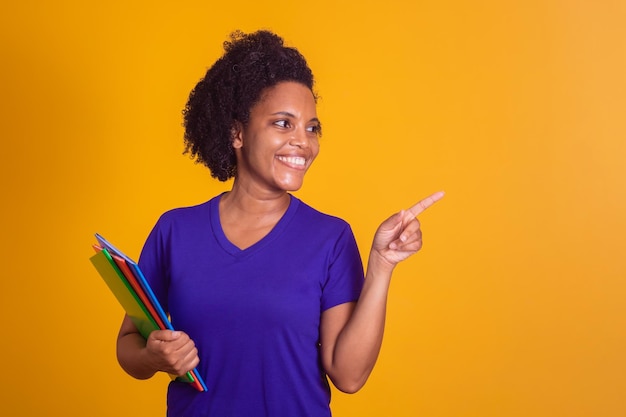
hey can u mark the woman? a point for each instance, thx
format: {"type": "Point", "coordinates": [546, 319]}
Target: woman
{"type": "Point", "coordinates": [268, 294]}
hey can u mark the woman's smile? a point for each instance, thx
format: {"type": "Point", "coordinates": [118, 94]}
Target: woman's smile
{"type": "Point", "coordinates": [297, 162]}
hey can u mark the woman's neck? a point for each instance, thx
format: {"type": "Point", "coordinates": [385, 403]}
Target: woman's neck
{"type": "Point", "coordinates": [247, 217]}
{"type": "Point", "coordinates": [250, 201]}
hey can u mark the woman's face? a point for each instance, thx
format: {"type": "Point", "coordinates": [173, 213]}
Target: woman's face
{"type": "Point", "coordinates": [279, 143]}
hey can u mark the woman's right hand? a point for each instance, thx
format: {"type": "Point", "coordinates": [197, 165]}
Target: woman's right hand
{"type": "Point", "coordinates": [165, 350]}
{"type": "Point", "coordinates": [171, 351]}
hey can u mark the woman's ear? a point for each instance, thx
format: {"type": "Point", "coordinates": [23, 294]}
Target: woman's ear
{"type": "Point", "coordinates": [236, 134]}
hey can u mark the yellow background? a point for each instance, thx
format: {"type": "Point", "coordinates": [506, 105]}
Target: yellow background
{"type": "Point", "coordinates": [515, 306]}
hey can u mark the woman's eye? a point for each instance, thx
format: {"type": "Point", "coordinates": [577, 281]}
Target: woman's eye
{"type": "Point", "coordinates": [316, 129]}
{"type": "Point", "coordinates": [282, 123]}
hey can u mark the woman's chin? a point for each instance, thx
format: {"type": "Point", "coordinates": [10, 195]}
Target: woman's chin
{"type": "Point", "coordinates": [291, 184]}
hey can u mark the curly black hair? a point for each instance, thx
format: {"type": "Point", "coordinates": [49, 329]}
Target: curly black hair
{"type": "Point", "coordinates": [231, 87]}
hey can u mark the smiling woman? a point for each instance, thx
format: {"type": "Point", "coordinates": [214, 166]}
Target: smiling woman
{"type": "Point", "coordinates": [269, 294]}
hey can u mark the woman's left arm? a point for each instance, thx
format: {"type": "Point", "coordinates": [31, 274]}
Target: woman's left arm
{"type": "Point", "coordinates": [351, 334]}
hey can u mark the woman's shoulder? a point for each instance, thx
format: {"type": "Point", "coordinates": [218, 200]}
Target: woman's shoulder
{"type": "Point", "coordinates": [186, 214]}
{"type": "Point", "coordinates": [319, 218]}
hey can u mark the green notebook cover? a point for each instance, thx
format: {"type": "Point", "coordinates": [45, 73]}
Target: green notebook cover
{"type": "Point", "coordinates": [117, 283]}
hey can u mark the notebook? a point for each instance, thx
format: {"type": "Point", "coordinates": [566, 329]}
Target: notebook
{"type": "Point", "coordinates": [125, 279]}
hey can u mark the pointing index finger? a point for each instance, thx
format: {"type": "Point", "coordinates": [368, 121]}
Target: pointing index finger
{"type": "Point", "coordinates": [417, 209]}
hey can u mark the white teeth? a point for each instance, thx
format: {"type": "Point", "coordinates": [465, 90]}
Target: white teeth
{"type": "Point", "coordinates": [294, 160]}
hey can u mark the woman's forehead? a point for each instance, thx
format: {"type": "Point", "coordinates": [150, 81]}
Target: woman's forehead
{"type": "Point", "coordinates": [288, 96]}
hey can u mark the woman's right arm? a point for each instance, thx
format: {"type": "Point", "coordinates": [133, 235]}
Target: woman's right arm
{"type": "Point", "coordinates": [165, 350]}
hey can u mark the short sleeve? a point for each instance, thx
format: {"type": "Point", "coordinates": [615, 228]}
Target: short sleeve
{"type": "Point", "coordinates": [345, 276]}
{"type": "Point", "coordinates": [153, 264]}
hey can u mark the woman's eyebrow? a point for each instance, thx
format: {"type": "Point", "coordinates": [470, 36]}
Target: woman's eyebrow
{"type": "Point", "coordinates": [283, 113]}
{"type": "Point", "coordinates": [288, 114]}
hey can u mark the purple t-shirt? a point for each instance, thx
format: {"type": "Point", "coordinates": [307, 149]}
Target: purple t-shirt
{"type": "Point", "coordinates": [254, 314]}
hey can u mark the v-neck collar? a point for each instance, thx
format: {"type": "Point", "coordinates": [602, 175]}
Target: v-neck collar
{"type": "Point", "coordinates": [235, 251]}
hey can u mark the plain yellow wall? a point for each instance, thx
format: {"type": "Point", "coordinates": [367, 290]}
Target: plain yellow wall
{"type": "Point", "coordinates": [517, 109]}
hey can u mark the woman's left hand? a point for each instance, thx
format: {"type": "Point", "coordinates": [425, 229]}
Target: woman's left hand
{"type": "Point", "coordinates": [400, 236]}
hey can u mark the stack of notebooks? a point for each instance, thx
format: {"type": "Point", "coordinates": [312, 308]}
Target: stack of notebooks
{"type": "Point", "coordinates": [128, 284]}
